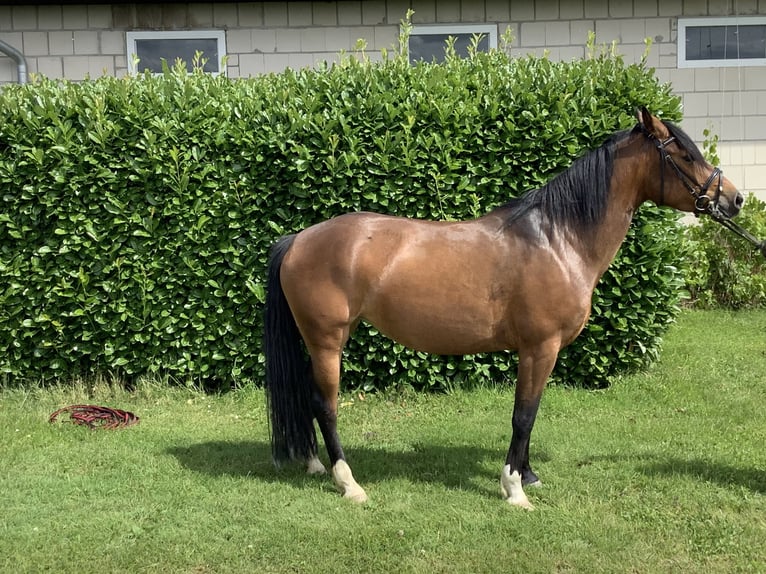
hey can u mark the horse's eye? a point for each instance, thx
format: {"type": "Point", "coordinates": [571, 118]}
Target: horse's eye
{"type": "Point", "coordinates": [688, 158]}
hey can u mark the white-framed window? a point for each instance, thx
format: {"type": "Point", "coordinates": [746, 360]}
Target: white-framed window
{"type": "Point", "coordinates": [428, 42]}
{"type": "Point", "coordinates": [147, 50]}
{"type": "Point", "coordinates": [719, 42]}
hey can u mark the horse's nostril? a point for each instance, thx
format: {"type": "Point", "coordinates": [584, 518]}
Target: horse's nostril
{"type": "Point", "coordinates": [739, 200]}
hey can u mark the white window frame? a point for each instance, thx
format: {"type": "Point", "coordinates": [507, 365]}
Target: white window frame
{"type": "Point", "coordinates": [218, 35]}
{"type": "Point", "coordinates": [684, 23]}
{"type": "Point", "coordinates": [488, 30]}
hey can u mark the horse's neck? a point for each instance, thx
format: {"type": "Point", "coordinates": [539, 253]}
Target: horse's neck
{"type": "Point", "coordinates": [627, 191]}
{"type": "Point", "coordinates": [599, 245]}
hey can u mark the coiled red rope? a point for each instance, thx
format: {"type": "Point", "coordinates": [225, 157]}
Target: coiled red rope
{"type": "Point", "coordinates": [96, 417]}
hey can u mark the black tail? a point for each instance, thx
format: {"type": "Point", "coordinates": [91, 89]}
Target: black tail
{"type": "Point", "coordinates": [288, 378]}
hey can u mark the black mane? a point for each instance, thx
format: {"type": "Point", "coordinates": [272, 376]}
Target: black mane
{"type": "Point", "coordinates": [578, 196]}
{"type": "Point", "coordinates": [685, 142]}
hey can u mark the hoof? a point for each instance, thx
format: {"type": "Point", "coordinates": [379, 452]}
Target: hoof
{"type": "Point", "coordinates": [536, 484]}
{"type": "Point", "coordinates": [357, 495]}
{"type": "Point", "coordinates": [344, 480]}
{"type": "Point", "coordinates": [529, 478]}
{"type": "Point", "coordinates": [315, 466]}
{"type": "Point", "coordinates": [525, 504]}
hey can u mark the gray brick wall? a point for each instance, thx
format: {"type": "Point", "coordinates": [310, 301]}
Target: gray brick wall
{"type": "Point", "coordinates": [79, 41]}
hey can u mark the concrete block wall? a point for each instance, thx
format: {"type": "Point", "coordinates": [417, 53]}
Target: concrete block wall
{"type": "Point", "coordinates": [70, 41]}
{"type": "Point", "coordinates": [88, 40]}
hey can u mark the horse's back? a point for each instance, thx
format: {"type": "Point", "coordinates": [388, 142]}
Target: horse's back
{"type": "Point", "coordinates": [356, 238]}
{"type": "Point", "coordinates": [344, 256]}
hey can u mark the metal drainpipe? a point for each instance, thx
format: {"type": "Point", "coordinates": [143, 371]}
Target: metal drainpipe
{"type": "Point", "coordinates": [18, 57]}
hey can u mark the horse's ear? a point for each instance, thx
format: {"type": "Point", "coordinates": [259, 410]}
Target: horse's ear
{"type": "Point", "coordinates": [644, 117]}
{"type": "Point", "coordinates": [651, 124]}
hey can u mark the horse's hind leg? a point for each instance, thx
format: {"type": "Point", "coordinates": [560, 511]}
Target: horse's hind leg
{"type": "Point", "coordinates": [326, 370]}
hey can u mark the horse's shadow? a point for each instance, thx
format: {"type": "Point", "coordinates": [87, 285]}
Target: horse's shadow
{"type": "Point", "coordinates": [456, 467]}
{"type": "Point", "coordinates": [753, 479]}
{"type": "Point", "coordinates": [461, 467]}
{"type": "Point", "coordinates": [661, 466]}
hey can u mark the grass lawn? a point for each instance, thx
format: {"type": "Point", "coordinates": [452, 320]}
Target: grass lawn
{"type": "Point", "coordinates": [663, 472]}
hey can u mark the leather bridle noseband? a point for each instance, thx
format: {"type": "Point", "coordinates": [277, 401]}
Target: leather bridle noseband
{"type": "Point", "coordinates": [703, 203]}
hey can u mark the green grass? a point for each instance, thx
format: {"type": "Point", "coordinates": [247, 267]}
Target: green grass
{"type": "Point", "coordinates": [663, 472]}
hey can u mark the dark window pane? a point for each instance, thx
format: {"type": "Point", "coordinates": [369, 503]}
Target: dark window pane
{"type": "Point", "coordinates": [725, 42]}
{"type": "Point", "coordinates": [431, 47]}
{"type": "Point", "coordinates": [151, 52]}
{"type": "Point", "coordinates": [752, 41]}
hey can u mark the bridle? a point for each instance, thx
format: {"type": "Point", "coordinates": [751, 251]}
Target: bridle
{"type": "Point", "coordinates": [703, 203]}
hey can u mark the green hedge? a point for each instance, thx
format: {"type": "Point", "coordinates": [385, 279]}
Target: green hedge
{"type": "Point", "coordinates": [724, 270]}
{"type": "Point", "coordinates": [137, 212]}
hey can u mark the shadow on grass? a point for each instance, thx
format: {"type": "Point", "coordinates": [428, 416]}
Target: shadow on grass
{"type": "Point", "coordinates": [458, 467]}
{"type": "Point", "coordinates": [754, 479]}
{"type": "Point", "coordinates": [659, 465]}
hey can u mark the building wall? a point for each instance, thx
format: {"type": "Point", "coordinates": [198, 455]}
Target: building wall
{"type": "Point", "coordinates": [77, 41]}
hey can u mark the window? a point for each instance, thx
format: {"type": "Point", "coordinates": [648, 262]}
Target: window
{"type": "Point", "coordinates": [147, 50]}
{"type": "Point", "coordinates": [429, 42]}
{"type": "Point", "coordinates": [717, 42]}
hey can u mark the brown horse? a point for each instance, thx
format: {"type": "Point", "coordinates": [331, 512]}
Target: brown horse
{"type": "Point", "coordinates": [520, 278]}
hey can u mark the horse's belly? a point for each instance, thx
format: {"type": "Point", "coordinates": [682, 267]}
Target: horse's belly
{"type": "Point", "coordinates": [451, 332]}
{"type": "Point", "coordinates": [425, 301]}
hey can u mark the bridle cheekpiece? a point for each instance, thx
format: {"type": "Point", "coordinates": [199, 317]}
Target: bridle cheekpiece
{"type": "Point", "coordinates": [703, 203]}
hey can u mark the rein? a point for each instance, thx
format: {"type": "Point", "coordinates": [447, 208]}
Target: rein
{"type": "Point", "coordinates": [703, 204]}
{"type": "Point", "coordinates": [96, 417]}
{"type": "Point", "coordinates": [743, 233]}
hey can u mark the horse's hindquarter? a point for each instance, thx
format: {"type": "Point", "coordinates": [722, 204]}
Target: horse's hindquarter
{"type": "Point", "coordinates": [439, 287]}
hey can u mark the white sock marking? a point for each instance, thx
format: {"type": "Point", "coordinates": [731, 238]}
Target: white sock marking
{"type": "Point", "coordinates": [513, 492]}
{"type": "Point", "coordinates": [315, 466]}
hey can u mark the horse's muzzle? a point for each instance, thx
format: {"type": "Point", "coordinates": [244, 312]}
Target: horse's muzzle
{"type": "Point", "coordinates": [730, 207]}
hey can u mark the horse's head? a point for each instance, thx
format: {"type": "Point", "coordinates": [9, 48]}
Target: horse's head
{"type": "Point", "coordinates": [685, 180]}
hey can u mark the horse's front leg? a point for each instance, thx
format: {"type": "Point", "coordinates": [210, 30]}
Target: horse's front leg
{"type": "Point", "coordinates": [534, 368]}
